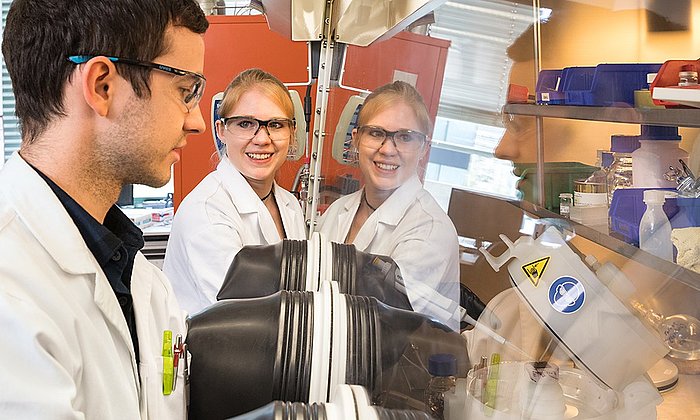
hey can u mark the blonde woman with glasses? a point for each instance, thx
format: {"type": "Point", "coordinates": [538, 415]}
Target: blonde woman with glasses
{"type": "Point", "coordinates": [239, 203]}
{"type": "Point", "coordinates": [392, 214]}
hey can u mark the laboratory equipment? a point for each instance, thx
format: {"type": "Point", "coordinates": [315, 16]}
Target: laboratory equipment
{"type": "Point", "coordinates": [655, 228]}
{"type": "Point", "coordinates": [569, 300]}
{"type": "Point", "coordinates": [304, 265]}
{"type": "Point", "coordinates": [299, 346]}
{"type": "Point", "coordinates": [688, 76]}
{"type": "Point", "coordinates": [622, 147]}
{"type": "Point", "coordinates": [565, 203]}
{"type": "Point", "coordinates": [590, 319]}
{"type": "Point", "coordinates": [443, 371]}
{"type": "Point", "coordinates": [350, 402]}
{"type": "Point", "coordinates": [659, 149]}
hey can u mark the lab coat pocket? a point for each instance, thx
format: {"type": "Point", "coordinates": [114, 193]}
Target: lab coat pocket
{"type": "Point", "coordinates": [156, 404]}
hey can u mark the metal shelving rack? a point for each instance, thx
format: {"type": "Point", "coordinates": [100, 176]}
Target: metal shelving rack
{"type": "Point", "coordinates": [681, 117]}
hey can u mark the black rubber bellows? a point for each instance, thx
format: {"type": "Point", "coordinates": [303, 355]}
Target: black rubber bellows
{"type": "Point", "coordinates": [299, 346]}
{"type": "Point", "coordinates": [261, 270]}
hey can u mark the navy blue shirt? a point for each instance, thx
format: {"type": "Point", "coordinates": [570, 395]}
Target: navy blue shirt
{"type": "Point", "coordinates": [114, 245]}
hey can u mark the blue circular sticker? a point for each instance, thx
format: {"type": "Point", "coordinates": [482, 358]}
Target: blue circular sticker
{"type": "Point", "coordinates": [566, 295]}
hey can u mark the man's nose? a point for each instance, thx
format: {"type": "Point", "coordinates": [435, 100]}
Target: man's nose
{"type": "Point", "coordinates": [508, 148]}
{"type": "Point", "coordinates": [194, 121]}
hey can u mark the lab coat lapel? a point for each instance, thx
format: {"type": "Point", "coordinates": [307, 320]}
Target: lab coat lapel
{"type": "Point", "coordinates": [107, 302]}
{"type": "Point", "coordinates": [247, 201]}
{"type": "Point", "coordinates": [346, 216]}
{"type": "Point", "coordinates": [53, 228]}
{"type": "Point", "coordinates": [290, 217]}
{"type": "Point", "coordinates": [389, 214]}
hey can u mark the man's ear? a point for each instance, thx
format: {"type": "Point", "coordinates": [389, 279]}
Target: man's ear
{"type": "Point", "coordinates": [98, 83]}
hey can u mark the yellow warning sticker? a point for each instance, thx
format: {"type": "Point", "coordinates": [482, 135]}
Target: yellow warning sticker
{"type": "Point", "coordinates": [535, 269]}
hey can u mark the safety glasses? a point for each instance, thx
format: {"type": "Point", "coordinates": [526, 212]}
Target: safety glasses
{"type": "Point", "coordinates": [189, 86]}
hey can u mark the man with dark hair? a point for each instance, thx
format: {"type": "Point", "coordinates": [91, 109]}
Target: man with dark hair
{"type": "Point", "coordinates": [106, 94]}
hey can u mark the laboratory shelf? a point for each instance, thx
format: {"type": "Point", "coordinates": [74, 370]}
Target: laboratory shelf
{"type": "Point", "coordinates": [679, 117]}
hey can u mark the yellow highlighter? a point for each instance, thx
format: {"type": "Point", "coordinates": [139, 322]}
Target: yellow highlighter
{"type": "Point", "coordinates": [492, 384]}
{"type": "Point", "coordinates": [167, 362]}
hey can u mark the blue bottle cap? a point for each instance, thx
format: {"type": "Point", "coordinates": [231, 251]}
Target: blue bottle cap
{"type": "Point", "coordinates": [442, 364]}
{"type": "Point", "coordinates": [620, 143]}
{"type": "Point", "coordinates": [659, 132]}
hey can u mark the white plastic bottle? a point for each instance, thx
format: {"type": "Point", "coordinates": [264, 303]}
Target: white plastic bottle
{"type": "Point", "coordinates": [659, 149]}
{"type": "Point", "coordinates": [654, 228]}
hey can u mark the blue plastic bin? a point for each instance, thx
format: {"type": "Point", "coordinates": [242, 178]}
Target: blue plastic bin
{"type": "Point", "coordinates": [610, 84]}
{"type": "Point", "coordinates": [688, 213]}
{"type": "Point", "coordinates": [576, 79]}
{"type": "Point", "coordinates": [548, 89]}
{"type": "Point", "coordinates": [627, 208]}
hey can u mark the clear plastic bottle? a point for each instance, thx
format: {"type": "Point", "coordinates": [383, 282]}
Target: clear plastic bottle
{"type": "Point", "coordinates": [443, 368]}
{"type": "Point", "coordinates": [654, 228]}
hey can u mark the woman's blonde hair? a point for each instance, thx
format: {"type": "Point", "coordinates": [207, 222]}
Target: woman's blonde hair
{"type": "Point", "coordinates": [388, 95]}
{"type": "Point", "coordinates": [256, 79]}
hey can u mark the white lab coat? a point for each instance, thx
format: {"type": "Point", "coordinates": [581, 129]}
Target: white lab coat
{"type": "Point", "coordinates": [66, 351]}
{"type": "Point", "coordinates": [411, 228]}
{"type": "Point", "coordinates": [218, 217]}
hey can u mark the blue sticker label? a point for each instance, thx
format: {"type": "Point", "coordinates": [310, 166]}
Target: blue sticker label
{"type": "Point", "coordinates": [566, 295]}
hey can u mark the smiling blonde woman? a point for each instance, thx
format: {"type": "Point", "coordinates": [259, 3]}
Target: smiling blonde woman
{"type": "Point", "coordinates": [392, 214]}
{"type": "Point", "coordinates": [239, 203]}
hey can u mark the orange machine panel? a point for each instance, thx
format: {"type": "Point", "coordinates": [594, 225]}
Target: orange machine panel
{"type": "Point", "coordinates": [235, 43]}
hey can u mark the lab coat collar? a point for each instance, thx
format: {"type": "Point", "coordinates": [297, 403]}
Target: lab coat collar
{"type": "Point", "coordinates": [247, 201]}
{"type": "Point", "coordinates": [48, 221]}
{"type": "Point", "coordinates": [389, 213]}
{"type": "Point", "coordinates": [393, 208]}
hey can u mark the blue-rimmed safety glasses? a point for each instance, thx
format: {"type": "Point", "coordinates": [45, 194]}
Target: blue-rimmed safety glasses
{"type": "Point", "coordinates": [188, 85]}
{"type": "Point", "coordinates": [404, 140]}
{"type": "Point", "coordinates": [245, 128]}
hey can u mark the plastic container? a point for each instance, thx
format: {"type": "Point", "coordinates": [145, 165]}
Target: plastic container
{"type": "Point", "coordinates": [621, 171]}
{"type": "Point", "coordinates": [655, 228]}
{"type": "Point", "coordinates": [611, 85]}
{"type": "Point", "coordinates": [575, 79]}
{"type": "Point", "coordinates": [548, 88]}
{"type": "Point", "coordinates": [642, 97]}
{"type": "Point", "coordinates": [688, 213]}
{"type": "Point", "coordinates": [627, 208]}
{"type": "Point", "coordinates": [669, 77]}
{"type": "Point", "coordinates": [594, 328]}
{"type": "Point", "coordinates": [443, 369]}
{"type": "Point", "coordinates": [659, 149]}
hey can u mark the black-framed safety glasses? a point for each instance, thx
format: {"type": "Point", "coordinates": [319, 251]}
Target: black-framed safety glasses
{"type": "Point", "coordinates": [245, 128]}
{"type": "Point", "coordinates": [188, 85]}
{"type": "Point", "coordinates": [404, 140]}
